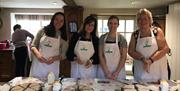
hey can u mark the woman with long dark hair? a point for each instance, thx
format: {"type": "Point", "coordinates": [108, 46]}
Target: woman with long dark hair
{"type": "Point", "coordinates": [49, 47]}
{"type": "Point", "coordinates": [83, 50]}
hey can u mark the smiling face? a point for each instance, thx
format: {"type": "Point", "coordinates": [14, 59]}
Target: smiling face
{"type": "Point", "coordinates": [58, 21]}
{"type": "Point", "coordinates": [113, 24]}
{"type": "Point", "coordinates": [144, 22]}
{"type": "Point", "coordinates": [89, 27]}
{"type": "Point", "coordinates": [144, 19]}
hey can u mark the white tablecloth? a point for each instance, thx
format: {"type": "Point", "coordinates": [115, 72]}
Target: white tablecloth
{"type": "Point", "coordinates": [105, 84]}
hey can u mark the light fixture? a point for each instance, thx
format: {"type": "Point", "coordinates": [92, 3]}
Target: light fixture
{"type": "Point", "coordinates": [55, 3]}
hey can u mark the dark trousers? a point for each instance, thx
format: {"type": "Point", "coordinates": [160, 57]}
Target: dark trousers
{"type": "Point", "coordinates": [21, 58]}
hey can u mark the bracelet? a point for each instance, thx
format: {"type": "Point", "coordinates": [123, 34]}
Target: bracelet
{"type": "Point", "coordinates": [151, 60]}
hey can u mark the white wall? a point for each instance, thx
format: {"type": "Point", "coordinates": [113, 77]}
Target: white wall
{"type": "Point", "coordinates": [110, 11]}
{"type": "Point", "coordinates": [173, 37]}
{"type": "Point", "coordinates": [5, 14]}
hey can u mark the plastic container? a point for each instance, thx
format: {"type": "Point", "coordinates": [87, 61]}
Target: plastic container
{"type": "Point", "coordinates": [2, 45]}
{"type": "Point", "coordinates": [164, 85]}
{"type": "Point", "coordinates": [51, 78]}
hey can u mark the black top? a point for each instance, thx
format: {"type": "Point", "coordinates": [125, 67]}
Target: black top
{"type": "Point", "coordinates": [75, 37]}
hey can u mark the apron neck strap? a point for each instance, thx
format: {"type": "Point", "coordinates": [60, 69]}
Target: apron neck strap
{"type": "Point", "coordinates": [152, 33]}
{"type": "Point", "coordinates": [116, 38]}
{"type": "Point", "coordinates": [151, 30]}
{"type": "Point", "coordinates": [107, 36]}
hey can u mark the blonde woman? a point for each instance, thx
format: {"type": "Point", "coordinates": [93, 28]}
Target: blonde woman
{"type": "Point", "coordinates": [148, 48]}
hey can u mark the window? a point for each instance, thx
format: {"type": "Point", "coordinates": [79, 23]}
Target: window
{"type": "Point", "coordinates": [126, 26]}
{"type": "Point", "coordinates": [32, 22]}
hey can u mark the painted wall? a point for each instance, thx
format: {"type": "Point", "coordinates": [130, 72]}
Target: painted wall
{"type": "Point", "coordinates": [173, 36]}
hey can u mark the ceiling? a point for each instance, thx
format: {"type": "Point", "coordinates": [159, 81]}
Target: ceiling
{"type": "Point", "coordinates": [85, 3]}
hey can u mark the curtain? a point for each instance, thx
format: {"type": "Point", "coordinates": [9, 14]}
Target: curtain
{"type": "Point", "coordinates": [32, 17]}
{"type": "Point", "coordinates": [173, 37]}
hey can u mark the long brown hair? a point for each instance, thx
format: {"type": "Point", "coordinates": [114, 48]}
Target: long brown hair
{"type": "Point", "coordinates": [50, 29]}
{"type": "Point", "coordinates": [88, 20]}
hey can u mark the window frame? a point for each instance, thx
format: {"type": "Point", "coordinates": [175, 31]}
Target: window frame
{"type": "Point", "coordinates": [121, 17]}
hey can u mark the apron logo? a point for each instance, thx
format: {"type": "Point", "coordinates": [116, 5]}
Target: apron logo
{"type": "Point", "coordinates": [83, 49]}
{"type": "Point", "coordinates": [48, 44]}
{"type": "Point", "coordinates": [147, 44]}
{"type": "Point", "coordinates": [108, 51]}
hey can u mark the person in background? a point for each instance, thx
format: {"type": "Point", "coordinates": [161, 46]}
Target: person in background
{"type": "Point", "coordinates": [148, 50]}
{"type": "Point", "coordinates": [21, 53]}
{"type": "Point", "coordinates": [83, 50]}
{"type": "Point", "coordinates": [156, 24]}
{"type": "Point", "coordinates": [49, 47]}
{"type": "Point", "coordinates": [112, 52]}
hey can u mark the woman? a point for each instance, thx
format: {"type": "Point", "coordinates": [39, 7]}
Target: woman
{"type": "Point", "coordinates": [49, 47]}
{"type": "Point", "coordinates": [112, 52]}
{"type": "Point", "coordinates": [148, 50]}
{"type": "Point", "coordinates": [84, 57]}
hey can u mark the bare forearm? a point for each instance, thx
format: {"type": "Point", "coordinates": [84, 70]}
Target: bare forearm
{"type": "Point", "coordinates": [35, 51]}
{"type": "Point", "coordinates": [103, 65]}
{"type": "Point", "coordinates": [121, 64]}
{"type": "Point", "coordinates": [159, 54]}
{"type": "Point", "coordinates": [122, 59]}
{"type": "Point", "coordinates": [58, 58]}
{"type": "Point", "coordinates": [38, 55]}
{"type": "Point", "coordinates": [103, 60]}
{"type": "Point", "coordinates": [136, 55]}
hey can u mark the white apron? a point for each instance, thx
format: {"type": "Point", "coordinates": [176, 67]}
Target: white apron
{"type": "Point", "coordinates": [84, 50]}
{"type": "Point", "coordinates": [112, 57]}
{"type": "Point", "coordinates": [48, 47]}
{"type": "Point", "coordinates": [158, 70]}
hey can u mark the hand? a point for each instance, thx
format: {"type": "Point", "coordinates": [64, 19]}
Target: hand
{"type": "Point", "coordinates": [79, 61]}
{"type": "Point", "coordinates": [115, 75]}
{"type": "Point", "coordinates": [147, 64]}
{"type": "Point", "coordinates": [88, 63]}
{"type": "Point", "coordinates": [50, 60]}
{"type": "Point", "coordinates": [149, 61]}
{"type": "Point", "coordinates": [41, 58]}
{"type": "Point", "coordinates": [108, 75]}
